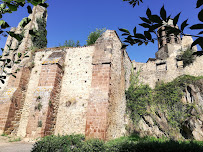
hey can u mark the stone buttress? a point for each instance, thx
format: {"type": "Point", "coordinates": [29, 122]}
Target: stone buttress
{"type": "Point", "coordinates": [43, 111]}
{"type": "Point", "coordinates": [105, 95]}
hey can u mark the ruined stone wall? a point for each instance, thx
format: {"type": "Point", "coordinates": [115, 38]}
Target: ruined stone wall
{"type": "Point", "coordinates": [12, 100]}
{"type": "Point", "coordinates": [25, 46]}
{"type": "Point", "coordinates": [39, 58]}
{"type": "Point", "coordinates": [75, 90]}
{"type": "Point", "coordinates": [166, 70]}
{"type": "Point", "coordinates": [74, 95]}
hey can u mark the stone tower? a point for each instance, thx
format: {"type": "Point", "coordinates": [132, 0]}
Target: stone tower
{"type": "Point", "coordinates": [171, 45]}
{"type": "Point", "coordinates": [167, 44]}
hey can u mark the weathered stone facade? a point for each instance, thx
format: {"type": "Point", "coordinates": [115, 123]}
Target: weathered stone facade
{"type": "Point", "coordinates": [80, 90]}
{"type": "Point", "coordinates": [71, 90]}
{"type": "Point", "coordinates": [166, 67]}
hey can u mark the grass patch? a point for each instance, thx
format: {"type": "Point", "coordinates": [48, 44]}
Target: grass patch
{"type": "Point", "coordinates": [4, 134]}
{"type": "Point", "coordinates": [15, 139]}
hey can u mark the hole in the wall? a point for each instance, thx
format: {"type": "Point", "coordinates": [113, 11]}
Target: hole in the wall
{"type": "Point", "coordinates": [85, 81]}
{"type": "Point", "coordinates": [69, 59]}
{"type": "Point", "coordinates": [134, 68]}
{"type": "Point", "coordinates": [80, 58]}
{"type": "Point", "coordinates": [68, 104]}
{"type": "Point", "coordinates": [86, 72]}
{"type": "Point", "coordinates": [79, 64]}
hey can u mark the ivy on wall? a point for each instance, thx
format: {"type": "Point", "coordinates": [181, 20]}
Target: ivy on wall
{"type": "Point", "coordinates": [40, 39]}
{"type": "Point", "coordinates": [165, 98]}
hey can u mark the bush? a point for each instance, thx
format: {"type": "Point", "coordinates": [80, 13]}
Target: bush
{"type": "Point", "coordinates": [187, 57]}
{"type": "Point", "coordinates": [93, 36]}
{"type": "Point", "coordinates": [165, 98]}
{"type": "Point", "coordinates": [70, 43]}
{"type": "Point", "coordinates": [76, 143]}
{"type": "Point", "coordinates": [58, 143]}
{"type": "Point", "coordinates": [93, 145]}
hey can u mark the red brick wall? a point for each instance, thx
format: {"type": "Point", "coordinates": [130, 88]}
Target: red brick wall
{"type": "Point", "coordinates": [96, 121]}
{"type": "Point", "coordinates": [54, 99]}
{"type": "Point", "coordinates": [10, 106]}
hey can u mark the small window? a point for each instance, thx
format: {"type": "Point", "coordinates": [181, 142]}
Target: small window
{"type": "Point", "coordinates": [168, 40]}
{"type": "Point", "coordinates": [161, 43]}
{"type": "Point", "coordinates": [176, 40]}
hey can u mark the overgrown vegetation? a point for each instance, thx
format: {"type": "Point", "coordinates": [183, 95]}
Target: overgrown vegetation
{"type": "Point", "coordinates": [39, 123]}
{"type": "Point", "coordinates": [70, 43]}
{"type": "Point", "coordinates": [40, 39]}
{"type": "Point", "coordinates": [4, 134]}
{"type": "Point", "coordinates": [93, 36]}
{"type": "Point", "coordinates": [15, 139]}
{"type": "Point", "coordinates": [77, 143]}
{"type": "Point", "coordinates": [164, 99]}
{"type": "Point", "coordinates": [187, 57]}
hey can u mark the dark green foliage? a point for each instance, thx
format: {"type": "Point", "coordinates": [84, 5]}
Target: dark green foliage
{"type": "Point", "coordinates": [40, 39]}
{"type": "Point", "coordinates": [134, 2]}
{"type": "Point", "coordinates": [138, 98]}
{"type": "Point", "coordinates": [93, 145]}
{"type": "Point", "coordinates": [93, 36]}
{"type": "Point", "coordinates": [76, 143]}
{"type": "Point", "coordinates": [39, 124]}
{"type": "Point", "coordinates": [187, 57]}
{"type": "Point", "coordinates": [165, 98]}
{"type": "Point", "coordinates": [59, 143]}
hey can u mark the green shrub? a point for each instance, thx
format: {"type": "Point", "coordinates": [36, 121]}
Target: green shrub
{"type": "Point", "coordinates": [58, 143]}
{"type": "Point", "coordinates": [138, 98]}
{"type": "Point", "coordinates": [187, 57]}
{"type": "Point", "coordinates": [93, 145]}
{"type": "Point", "coordinates": [76, 143]}
{"type": "Point", "coordinates": [93, 36]}
{"type": "Point", "coordinates": [165, 98]}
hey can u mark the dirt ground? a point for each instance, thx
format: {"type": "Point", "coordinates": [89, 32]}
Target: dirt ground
{"type": "Point", "coordinates": [18, 146]}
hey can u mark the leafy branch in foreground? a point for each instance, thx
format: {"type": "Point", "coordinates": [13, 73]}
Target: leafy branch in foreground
{"type": "Point", "coordinates": [153, 22]}
{"type": "Point", "coordinates": [134, 2]}
{"type": "Point", "coordinates": [10, 6]}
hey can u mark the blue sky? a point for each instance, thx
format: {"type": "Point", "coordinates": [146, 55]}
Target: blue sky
{"type": "Point", "coordinates": [75, 19]}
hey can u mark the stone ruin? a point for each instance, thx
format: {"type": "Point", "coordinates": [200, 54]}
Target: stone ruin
{"type": "Point", "coordinates": [79, 90]}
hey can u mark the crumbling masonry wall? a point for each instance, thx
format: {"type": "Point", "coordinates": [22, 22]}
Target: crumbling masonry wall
{"type": "Point", "coordinates": [76, 90]}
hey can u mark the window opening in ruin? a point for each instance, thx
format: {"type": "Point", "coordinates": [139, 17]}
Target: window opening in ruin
{"type": "Point", "coordinates": [161, 63]}
{"type": "Point", "coordinates": [176, 40]}
{"type": "Point", "coordinates": [161, 43]}
{"type": "Point", "coordinates": [168, 40]}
